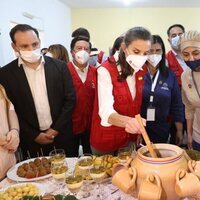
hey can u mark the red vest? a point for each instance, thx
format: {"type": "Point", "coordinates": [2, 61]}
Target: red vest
{"type": "Point", "coordinates": [81, 117]}
{"type": "Point", "coordinates": [174, 66]}
{"type": "Point", "coordinates": [108, 139]}
{"type": "Point", "coordinates": [100, 57]}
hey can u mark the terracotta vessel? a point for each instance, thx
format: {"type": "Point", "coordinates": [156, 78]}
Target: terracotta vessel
{"type": "Point", "coordinates": [172, 159]}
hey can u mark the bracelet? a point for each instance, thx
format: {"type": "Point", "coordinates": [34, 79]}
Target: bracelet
{"type": "Point", "coordinates": [15, 130]}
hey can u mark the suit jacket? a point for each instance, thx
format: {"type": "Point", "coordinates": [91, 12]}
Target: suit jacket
{"type": "Point", "coordinates": [61, 97]}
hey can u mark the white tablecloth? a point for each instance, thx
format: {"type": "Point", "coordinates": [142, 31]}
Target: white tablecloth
{"type": "Point", "coordinates": [109, 191]}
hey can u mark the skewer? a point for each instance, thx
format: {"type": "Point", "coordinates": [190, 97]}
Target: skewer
{"type": "Point", "coordinates": [29, 156]}
{"type": "Point", "coordinates": [42, 154]}
{"type": "Point", "coordinates": [54, 149]}
{"type": "Point", "coordinates": [146, 137]}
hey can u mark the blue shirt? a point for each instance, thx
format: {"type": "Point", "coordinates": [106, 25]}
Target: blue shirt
{"type": "Point", "coordinates": [167, 102]}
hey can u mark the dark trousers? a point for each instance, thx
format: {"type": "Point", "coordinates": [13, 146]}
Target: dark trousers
{"type": "Point", "coordinates": [84, 140]}
{"type": "Point", "coordinates": [173, 131]}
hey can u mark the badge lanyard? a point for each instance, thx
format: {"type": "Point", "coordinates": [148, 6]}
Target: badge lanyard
{"type": "Point", "coordinates": [153, 86]}
{"type": "Point", "coordinates": [195, 84]}
{"type": "Point", "coordinates": [151, 110]}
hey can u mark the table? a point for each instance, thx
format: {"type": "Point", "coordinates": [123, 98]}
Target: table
{"type": "Point", "coordinates": [110, 192]}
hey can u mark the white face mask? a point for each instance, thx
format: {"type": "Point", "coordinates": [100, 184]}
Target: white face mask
{"type": "Point", "coordinates": [30, 56]}
{"type": "Point", "coordinates": [49, 54]}
{"type": "Point", "coordinates": [174, 42]}
{"type": "Point", "coordinates": [136, 61]}
{"type": "Point", "coordinates": [82, 56]}
{"type": "Point", "coordinates": [17, 54]}
{"type": "Point", "coordinates": [154, 59]}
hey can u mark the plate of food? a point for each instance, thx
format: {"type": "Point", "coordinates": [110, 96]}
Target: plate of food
{"type": "Point", "coordinates": [17, 191]}
{"type": "Point", "coordinates": [106, 161]}
{"type": "Point", "coordinates": [31, 170]}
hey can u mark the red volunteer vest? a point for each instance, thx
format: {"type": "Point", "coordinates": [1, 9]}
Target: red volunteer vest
{"type": "Point", "coordinates": [100, 57]}
{"type": "Point", "coordinates": [108, 139]}
{"type": "Point", "coordinates": [174, 66]}
{"type": "Point", "coordinates": [82, 114]}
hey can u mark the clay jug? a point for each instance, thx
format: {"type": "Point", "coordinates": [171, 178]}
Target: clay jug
{"type": "Point", "coordinates": [125, 179]}
{"type": "Point", "coordinates": [172, 158]}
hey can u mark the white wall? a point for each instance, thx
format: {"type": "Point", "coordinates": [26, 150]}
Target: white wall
{"type": "Point", "coordinates": [51, 17]}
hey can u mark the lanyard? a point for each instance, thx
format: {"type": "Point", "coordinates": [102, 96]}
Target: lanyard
{"type": "Point", "coordinates": [195, 84]}
{"type": "Point", "coordinates": [154, 85]}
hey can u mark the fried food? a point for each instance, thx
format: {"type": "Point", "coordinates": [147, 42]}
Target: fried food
{"type": "Point", "coordinates": [107, 162]}
{"type": "Point", "coordinates": [36, 168]}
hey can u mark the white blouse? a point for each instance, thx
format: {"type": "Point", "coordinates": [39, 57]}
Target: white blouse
{"type": "Point", "coordinates": [105, 97]}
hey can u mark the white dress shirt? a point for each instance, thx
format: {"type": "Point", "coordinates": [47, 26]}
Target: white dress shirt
{"type": "Point", "coordinates": [37, 82]}
{"type": "Point", "coordinates": [82, 73]}
{"type": "Point", "coordinates": [105, 97]}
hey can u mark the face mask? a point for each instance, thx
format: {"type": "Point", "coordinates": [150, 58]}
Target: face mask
{"type": "Point", "coordinates": [17, 54]}
{"type": "Point", "coordinates": [174, 42]}
{"type": "Point", "coordinates": [93, 60]}
{"type": "Point", "coordinates": [136, 61]}
{"type": "Point", "coordinates": [194, 65]}
{"type": "Point", "coordinates": [154, 59]}
{"type": "Point", "coordinates": [30, 56]}
{"type": "Point", "coordinates": [82, 56]}
{"type": "Point", "coordinates": [49, 54]}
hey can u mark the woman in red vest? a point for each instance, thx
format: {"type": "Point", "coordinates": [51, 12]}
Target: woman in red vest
{"type": "Point", "coordinates": [119, 94]}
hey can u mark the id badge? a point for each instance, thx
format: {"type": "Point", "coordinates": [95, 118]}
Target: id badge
{"type": "Point", "coordinates": [151, 114]}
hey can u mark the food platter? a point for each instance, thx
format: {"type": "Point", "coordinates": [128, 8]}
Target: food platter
{"type": "Point", "coordinates": [16, 189]}
{"type": "Point", "coordinates": [12, 173]}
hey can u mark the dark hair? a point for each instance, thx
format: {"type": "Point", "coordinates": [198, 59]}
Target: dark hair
{"type": "Point", "coordinates": [175, 25]}
{"type": "Point", "coordinates": [79, 38]}
{"type": "Point", "coordinates": [162, 65]}
{"type": "Point", "coordinates": [44, 50]}
{"type": "Point", "coordinates": [117, 44]}
{"type": "Point", "coordinates": [81, 32]}
{"type": "Point", "coordinates": [59, 52]}
{"type": "Point", "coordinates": [21, 28]}
{"type": "Point", "coordinates": [136, 33]}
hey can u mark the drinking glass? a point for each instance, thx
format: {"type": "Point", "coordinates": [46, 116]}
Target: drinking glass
{"type": "Point", "coordinates": [59, 172]}
{"type": "Point", "coordinates": [98, 174]}
{"type": "Point", "coordinates": [74, 183]}
{"type": "Point", "coordinates": [124, 154]}
{"type": "Point", "coordinates": [57, 156]}
{"type": "Point", "coordinates": [85, 163]}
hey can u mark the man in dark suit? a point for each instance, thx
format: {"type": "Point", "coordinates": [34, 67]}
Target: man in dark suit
{"type": "Point", "coordinates": [42, 92]}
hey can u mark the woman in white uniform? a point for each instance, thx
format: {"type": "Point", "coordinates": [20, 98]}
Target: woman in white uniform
{"type": "Point", "coordinates": [189, 44]}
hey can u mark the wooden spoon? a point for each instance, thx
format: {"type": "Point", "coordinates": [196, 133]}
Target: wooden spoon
{"type": "Point", "coordinates": [146, 138]}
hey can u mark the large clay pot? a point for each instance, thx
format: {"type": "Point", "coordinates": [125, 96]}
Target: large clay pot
{"type": "Point", "coordinates": [172, 159]}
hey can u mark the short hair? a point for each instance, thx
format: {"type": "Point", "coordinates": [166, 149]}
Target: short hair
{"type": "Point", "coordinates": [175, 25]}
{"type": "Point", "coordinates": [81, 32]}
{"type": "Point", "coordinates": [22, 28]}
{"type": "Point", "coordinates": [79, 38]}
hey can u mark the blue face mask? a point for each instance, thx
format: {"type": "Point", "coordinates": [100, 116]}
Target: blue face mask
{"type": "Point", "coordinates": [174, 42]}
{"type": "Point", "coordinates": [194, 65]}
